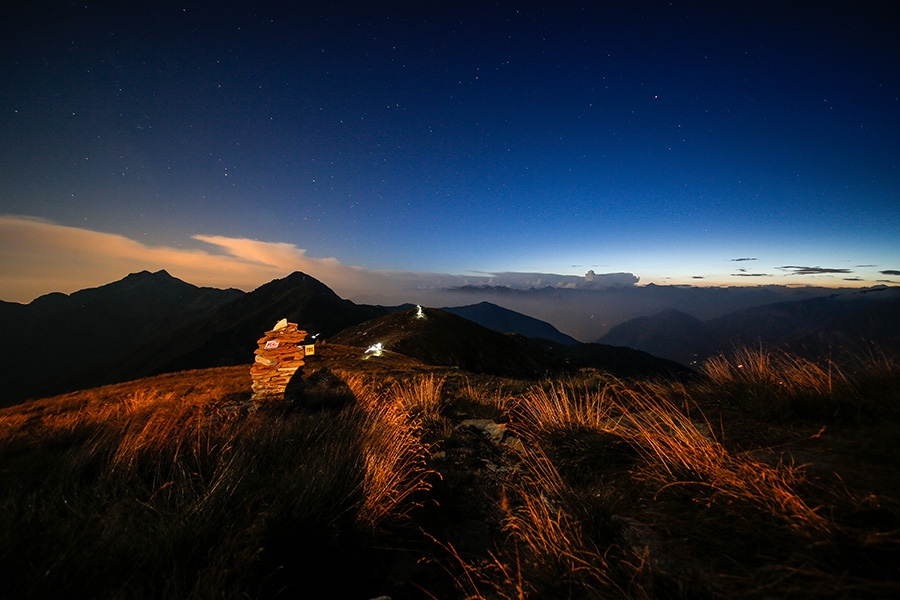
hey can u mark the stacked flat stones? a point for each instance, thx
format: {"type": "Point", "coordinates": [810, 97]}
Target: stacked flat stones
{"type": "Point", "coordinates": [279, 354]}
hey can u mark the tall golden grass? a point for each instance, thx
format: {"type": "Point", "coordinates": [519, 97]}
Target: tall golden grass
{"type": "Point", "coordinates": [146, 497]}
{"type": "Point", "coordinates": [565, 538]}
{"type": "Point", "coordinates": [790, 373]}
{"type": "Point", "coordinates": [494, 400]}
{"type": "Point", "coordinates": [547, 525]}
{"type": "Point", "coordinates": [393, 451]}
{"type": "Point", "coordinates": [777, 383]}
{"type": "Point", "coordinates": [618, 489]}
{"type": "Point", "coordinates": [164, 495]}
{"type": "Point", "coordinates": [676, 450]}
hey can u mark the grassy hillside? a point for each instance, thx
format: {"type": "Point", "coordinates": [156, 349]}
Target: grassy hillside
{"type": "Point", "coordinates": [774, 477]}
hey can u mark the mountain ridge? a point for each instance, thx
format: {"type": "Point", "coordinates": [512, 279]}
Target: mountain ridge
{"type": "Point", "coordinates": [60, 341]}
{"type": "Point", "coordinates": [505, 320]}
{"type": "Point", "coordinates": [811, 327]}
{"type": "Point", "coordinates": [150, 323]}
{"type": "Point", "coordinates": [441, 338]}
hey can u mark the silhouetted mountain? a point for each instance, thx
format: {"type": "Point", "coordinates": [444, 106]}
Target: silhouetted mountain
{"type": "Point", "coordinates": [61, 342]}
{"type": "Point", "coordinates": [509, 321]}
{"type": "Point", "coordinates": [228, 335]}
{"type": "Point", "coordinates": [150, 323]}
{"type": "Point", "coordinates": [665, 334]}
{"type": "Point", "coordinates": [812, 327]}
{"type": "Point", "coordinates": [588, 314]}
{"type": "Point", "coordinates": [444, 339]}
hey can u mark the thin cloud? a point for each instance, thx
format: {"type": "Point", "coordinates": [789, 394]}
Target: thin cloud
{"type": "Point", "coordinates": [742, 272]}
{"type": "Point", "coordinates": [525, 281]}
{"type": "Point", "coordinates": [741, 259]}
{"type": "Point", "coordinates": [890, 272]}
{"type": "Point", "coordinates": [39, 256]}
{"type": "Point", "coordinates": [795, 270]}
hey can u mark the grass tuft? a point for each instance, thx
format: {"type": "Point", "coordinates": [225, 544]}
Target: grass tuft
{"type": "Point", "coordinates": [394, 455]}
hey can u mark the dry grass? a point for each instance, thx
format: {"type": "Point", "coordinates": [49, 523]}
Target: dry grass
{"type": "Point", "coordinates": [558, 406]}
{"type": "Point", "coordinates": [676, 450]}
{"type": "Point", "coordinates": [546, 553]}
{"type": "Point", "coordinates": [393, 452]}
{"type": "Point", "coordinates": [774, 384]}
{"type": "Point", "coordinates": [680, 452]}
{"type": "Point", "coordinates": [421, 399]}
{"type": "Point", "coordinates": [776, 369]}
{"type": "Point", "coordinates": [155, 494]}
{"type": "Point", "coordinates": [547, 524]}
{"type": "Point", "coordinates": [566, 538]}
{"type": "Point", "coordinates": [171, 488]}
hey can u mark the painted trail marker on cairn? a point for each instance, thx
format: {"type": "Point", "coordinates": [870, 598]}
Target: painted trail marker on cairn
{"type": "Point", "coordinates": [279, 355]}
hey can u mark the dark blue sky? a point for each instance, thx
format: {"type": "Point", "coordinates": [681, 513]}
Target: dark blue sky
{"type": "Point", "coordinates": [663, 139]}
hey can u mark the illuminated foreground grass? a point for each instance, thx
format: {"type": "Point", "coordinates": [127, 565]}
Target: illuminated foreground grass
{"type": "Point", "coordinates": [774, 480]}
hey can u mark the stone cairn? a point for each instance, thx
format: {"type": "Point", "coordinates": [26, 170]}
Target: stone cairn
{"type": "Point", "coordinates": [279, 355]}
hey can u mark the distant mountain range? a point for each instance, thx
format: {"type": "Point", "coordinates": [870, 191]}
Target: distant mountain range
{"type": "Point", "coordinates": [152, 323]}
{"type": "Point", "coordinates": [61, 342]}
{"type": "Point", "coordinates": [823, 326]}
{"type": "Point", "coordinates": [588, 314]}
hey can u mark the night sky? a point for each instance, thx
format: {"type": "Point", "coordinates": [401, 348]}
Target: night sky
{"type": "Point", "coordinates": [681, 142]}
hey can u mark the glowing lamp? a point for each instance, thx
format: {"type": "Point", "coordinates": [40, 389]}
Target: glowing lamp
{"type": "Point", "coordinates": [375, 349]}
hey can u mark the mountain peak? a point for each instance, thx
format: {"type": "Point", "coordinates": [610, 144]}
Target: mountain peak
{"type": "Point", "coordinates": [294, 282]}
{"type": "Point", "coordinates": [145, 274]}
